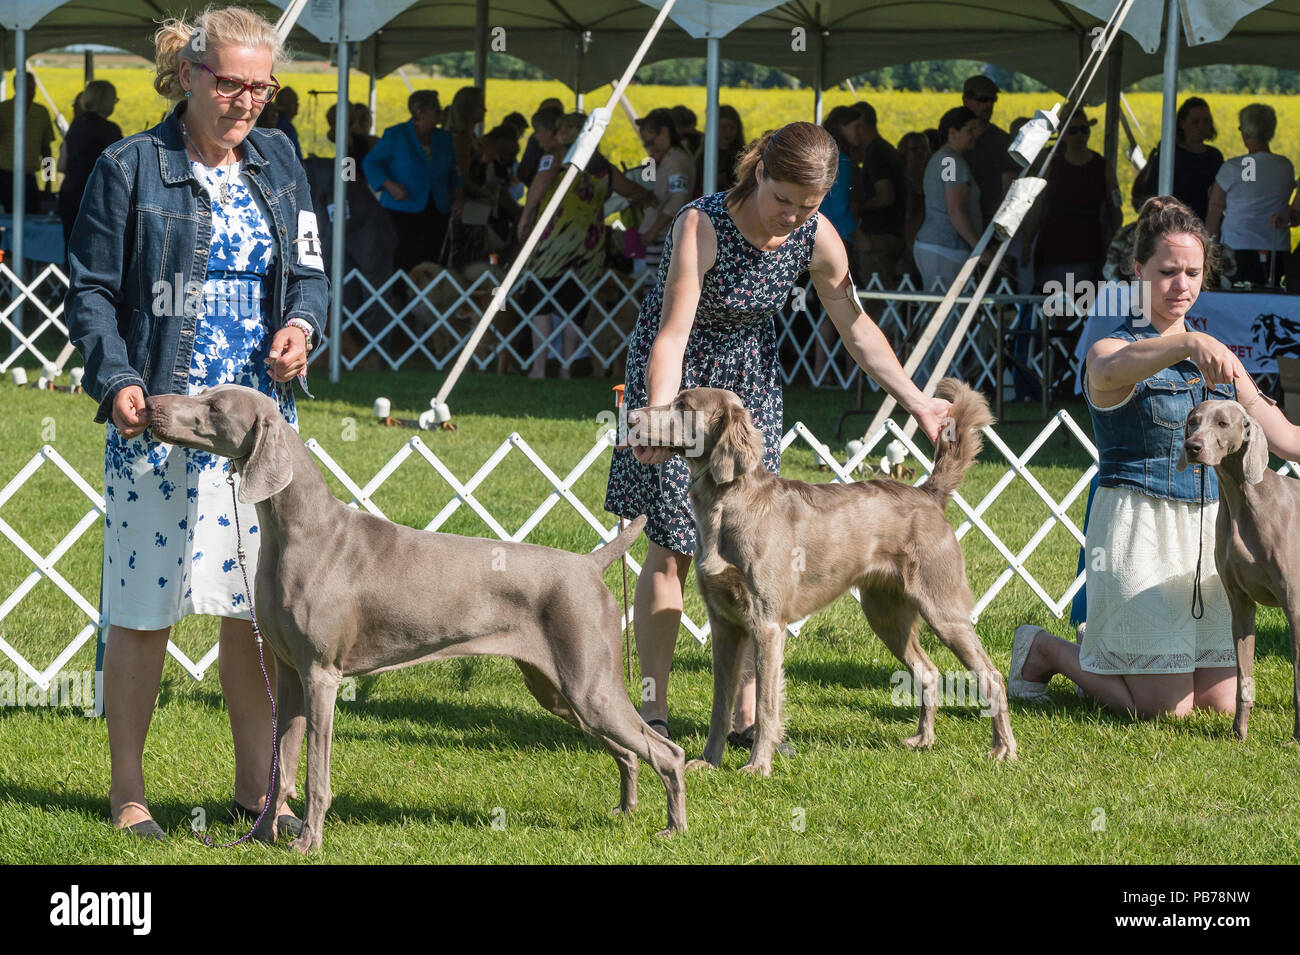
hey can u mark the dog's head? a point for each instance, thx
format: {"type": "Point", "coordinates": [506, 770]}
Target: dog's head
{"type": "Point", "coordinates": [233, 422]}
{"type": "Point", "coordinates": [710, 427]}
{"type": "Point", "coordinates": [1218, 430]}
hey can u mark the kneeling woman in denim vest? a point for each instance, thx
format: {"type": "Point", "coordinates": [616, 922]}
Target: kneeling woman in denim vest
{"type": "Point", "coordinates": [1144, 651]}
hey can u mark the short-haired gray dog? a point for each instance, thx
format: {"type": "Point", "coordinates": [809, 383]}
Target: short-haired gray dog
{"type": "Point", "coordinates": [1257, 535]}
{"type": "Point", "coordinates": [341, 592]}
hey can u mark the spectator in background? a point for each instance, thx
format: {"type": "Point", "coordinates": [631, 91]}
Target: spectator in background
{"type": "Point", "coordinates": [415, 166]}
{"type": "Point", "coordinates": [673, 182]}
{"type": "Point", "coordinates": [570, 254]}
{"type": "Point", "coordinates": [61, 164]}
{"type": "Point", "coordinates": [467, 110]}
{"type": "Point", "coordinates": [359, 144]}
{"type": "Point", "coordinates": [1078, 209]}
{"type": "Point", "coordinates": [990, 163]}
{"type": "Point", "coordinates": [915, 150]}
{"type": "Point", "coordinates": [692, 139]}
{"type": "Point", "coordinates": [953, 221]}
{"type": "Point", "coordinates": [1248, 194]}
{"type": "Point", "coordinates": [516, 122]}
{"type": "Point", "coordinates": [488, 222]}
{"type": "Point", "coordinates": [731, 143]}
{"type": "Point", "coordinates": [360, 120]}
{"type": "Point", "coordinates": [286, 105]}
{"type": "Point", "coordinates": [268, 117]}
{"type": "Point", "coordinates": [846, 126]}
{"type": "Point", "coordinates": [89, 134]}
{"type": "Point", "coordinates": [39, 135]}
{"type": "Point", "coordinates": [1195, 163]}
{"type": "Point", "coordinates": [882, 204]}
{"type": "Point", "coordinates": [533, 149]}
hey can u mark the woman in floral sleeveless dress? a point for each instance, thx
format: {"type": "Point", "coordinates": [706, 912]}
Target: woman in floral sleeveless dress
{"type": "Point", "coordinates": [729, 263]}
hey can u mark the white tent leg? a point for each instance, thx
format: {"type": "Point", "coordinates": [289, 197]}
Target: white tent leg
{"type": "Point", "coordinates": [1168, 125]}
{"type": "Point", "coordinates": [339, 223]}
{"type": "Point", "coordinates": [88, 65]}
{"type": "Point", "coordinates": [817, 82]}
{"type": "Point", "coordinates": [19, 197]}
{"type": "Point", "coordinates": [712, 77]}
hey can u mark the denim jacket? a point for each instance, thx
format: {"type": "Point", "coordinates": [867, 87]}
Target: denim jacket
{"type": "Point", "coordinates": [1139, 441]}
{"type": "Point", "coordinates": [138, 258]}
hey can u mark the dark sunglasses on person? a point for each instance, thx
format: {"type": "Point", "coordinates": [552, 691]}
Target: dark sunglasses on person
{"type": "Point", "coordinates": [228, 87]}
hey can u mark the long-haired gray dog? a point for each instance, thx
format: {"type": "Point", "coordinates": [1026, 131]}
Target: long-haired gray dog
{"type": "Point", "coordinates": [1257, 535]}
{"type": "Point", "coordinates": [342, 592]}
{"type": "Point", "coordinates": [771, 551]}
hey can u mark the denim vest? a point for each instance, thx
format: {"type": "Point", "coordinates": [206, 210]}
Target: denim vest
{"type": "Point", "coordinates": [1139, 442]}
{"type": "Point", "coordinates": [138, 257]}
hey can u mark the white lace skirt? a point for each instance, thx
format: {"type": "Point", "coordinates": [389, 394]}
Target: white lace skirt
{"type": "Point", "coordinates": [1141, 559]}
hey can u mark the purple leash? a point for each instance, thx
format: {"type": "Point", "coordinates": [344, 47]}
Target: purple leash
{"type": "Point", "coordinates": [261, 659]}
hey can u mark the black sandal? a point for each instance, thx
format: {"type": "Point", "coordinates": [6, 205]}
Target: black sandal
{"type": "Point", "coordinates": [744, 739]}
{"type": "Point", "coordinates": [664, 723]}
{"type": "Point", "coordinates": [286, 822]}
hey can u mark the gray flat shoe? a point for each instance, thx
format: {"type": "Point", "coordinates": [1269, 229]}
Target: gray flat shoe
{"type": "Point", "coordinates": [285, 823]}
{"type": "Point", "coordinates": [146, 829]}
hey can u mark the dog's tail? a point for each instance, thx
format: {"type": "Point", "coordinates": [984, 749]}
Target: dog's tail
{"type": "Point", "coordinates": [607, 553]}
{"type": "Point", "coordinates": [960, 441]}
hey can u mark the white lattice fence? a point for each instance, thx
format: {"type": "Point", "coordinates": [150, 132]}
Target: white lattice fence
{"type": "Point", "coordinates": [429, 315]}
{"type": "Point", "coordinates": [40, 302]}
{"type": "Point", "coordinates": [415, 453]}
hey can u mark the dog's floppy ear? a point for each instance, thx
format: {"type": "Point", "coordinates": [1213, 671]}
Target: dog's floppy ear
{"type": "Point", "coordinates": [268, 469]}
{"type": "Point", "coordinates": [1254, 456]}
{"type": "Point", "coordinates": [739, 447]}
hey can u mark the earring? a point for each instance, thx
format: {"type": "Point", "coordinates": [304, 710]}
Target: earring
{"type": "Point", "coordinates": [188, 94]}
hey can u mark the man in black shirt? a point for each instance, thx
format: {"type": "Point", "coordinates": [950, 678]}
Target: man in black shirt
{"type": "Point", "coordinates": [990, 163]}
{"type": "Point", "coordinates": [882, 207]}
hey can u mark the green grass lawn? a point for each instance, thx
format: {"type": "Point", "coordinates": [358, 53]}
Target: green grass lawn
{"type": "Point", "coordinates": [426, 759]}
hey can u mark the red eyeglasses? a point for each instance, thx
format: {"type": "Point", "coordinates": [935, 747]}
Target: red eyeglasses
{"type": "Point", "coordinates": [229, 87]}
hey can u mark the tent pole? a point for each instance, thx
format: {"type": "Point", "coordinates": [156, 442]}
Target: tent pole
{"type": "Point", "coordinates": [1168, 125]}
{"type": "Point", "coordinates": [19, 197]}
{"type": "Point", "coordinates": [480, 43]}
{"type": "Point", "coordinates": [374, 99]}
{"type": "Point", "coordinates": [817, 82]}
{"type": "Point", "coordinates": [577, 71]}
{"type": "Point", "coordinates": [712, 75]}
{"type": "Point", "coordinates": [1113, 80]}
{"type": "Point", "coordinates": [339, 222]}
{"type": "Point", "coordinates": [88, 65]}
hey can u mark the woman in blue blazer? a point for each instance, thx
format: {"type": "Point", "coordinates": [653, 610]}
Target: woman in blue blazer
{"type": "Point", "coordinates": [413, 167]}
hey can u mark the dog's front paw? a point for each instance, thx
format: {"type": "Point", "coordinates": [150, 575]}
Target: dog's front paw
{"type": "Point", "coordinates": [755, 768]}
{"type": "Point", "coordinates": [1003, 751]}
{"type": "Point", "coordinates": [700, 764]}
{"type": "Point", "coordinates": [919, 741]}
{"type": "Point", "coordinates": [305, 843]}
{"type": "Point", "coordinates": [624, 809]}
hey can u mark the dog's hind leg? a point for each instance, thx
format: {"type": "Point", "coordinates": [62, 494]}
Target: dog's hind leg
{"type": "Point", "coordinates": [950, 619]}
{"type": "Point", "coordinates": [320, 688]}
{"type": "Point", "coordinates": [728, 644]}
{"type": "Point", "coordinates": [613, 718]}
{"type": "Point", "coordinates": [892, 615]}
{"type": "Point", "coordinates": [547, 694]}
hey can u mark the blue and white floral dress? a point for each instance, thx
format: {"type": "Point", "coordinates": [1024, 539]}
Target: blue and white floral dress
{"type": "Point", "coordinates": [169, 531]}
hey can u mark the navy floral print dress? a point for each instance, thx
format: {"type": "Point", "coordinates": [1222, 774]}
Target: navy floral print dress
{"type": "Point", "coordinates": [169, 534]}
{"type": "Point", "coordinates": [732, 345]}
